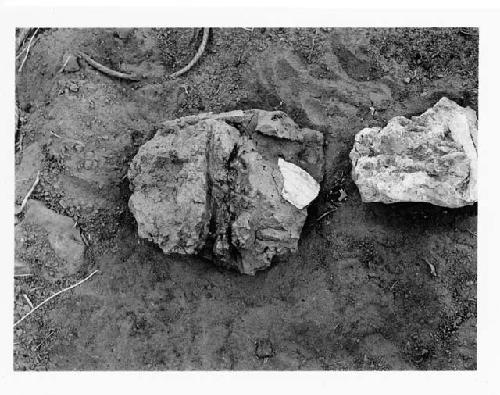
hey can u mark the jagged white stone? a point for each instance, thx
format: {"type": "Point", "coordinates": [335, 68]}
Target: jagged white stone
{"type": "Point", "coordinates": [299, 188]}
{"type": "Point", "coordinates": [428, 158]}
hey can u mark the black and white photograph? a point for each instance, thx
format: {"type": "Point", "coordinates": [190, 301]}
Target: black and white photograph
{"type": "Point", "coordinates": [245, 198]}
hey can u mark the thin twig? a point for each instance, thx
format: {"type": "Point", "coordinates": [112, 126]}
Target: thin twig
{"type": "Point", "coordinates": [27, 50]}
{"type": "Point", "coordinates": [20, 53]}
{"type": "Point", "coordinates": [106, 70]}
{"type": "Point", "coordinates": [19, 131]}
{"type": "Point", "coordinates": [22, 275]}
{"type": "Point", "coordinates": [18, 118]}
{"type": "Point", "coordinates": [28, 300]}
{"type": "Point", "coordinates": [325, 214]}
{"type": "Point", "coordinates": [23, 33]}
{"type": "Point", "coordinates": [55, 134]}
{"type": "Point", "coordinates": [201, 49]}
{"type": "Point", "coordinates": [20, 41]}
{"type": "Point", "coordinates": [25, 200]}
{"type": "Point", "coordinates": [85, 241]}
{"type": "Point", "coordinates": [53, 296]}
{"type": "Point", "coordinates": [64, 64]}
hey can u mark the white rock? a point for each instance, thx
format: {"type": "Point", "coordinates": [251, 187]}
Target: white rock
{"type": "Point", "coordinates": [299, 188]}
{"type": "Point", "coordinates": [430, 158]}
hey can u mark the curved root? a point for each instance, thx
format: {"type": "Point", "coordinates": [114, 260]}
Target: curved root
{"type": "Point", "coordinates": [201, 49]}
{"type": "Point", "coordinates": [106, 70]}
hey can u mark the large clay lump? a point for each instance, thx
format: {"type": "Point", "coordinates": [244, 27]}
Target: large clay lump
{"type": "Point", "coordinates": [233, 187]}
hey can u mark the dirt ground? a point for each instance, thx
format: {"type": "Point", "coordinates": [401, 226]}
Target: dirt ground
{"type": "Point", "coordinates": [358, 295]}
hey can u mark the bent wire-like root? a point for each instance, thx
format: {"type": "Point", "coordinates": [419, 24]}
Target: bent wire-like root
{"type": "Point", "coordinates": [52, 297]}
{"type": "Point", "coordinates": [197, 56]}
{"type": "Point", "coordinates": [106, 70]}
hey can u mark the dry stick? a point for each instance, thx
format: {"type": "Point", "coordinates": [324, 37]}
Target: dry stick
{"type": "Point", "coordinates": [18, 118]}
{"type": "Point", "coordinates": [20, 41]}
{"type": "Point", "coordinates": [53, 296]}
{"type": "Point", "coordinates": [28, 301]}
{"type": "Point", "coordinates": [325, 214]}
{"type": "Point", "coordinates": [64, 64]}
{"type": "Point", "coordinates": [27, 50]}
{"type": "Point", "coordinates": [25, 200]}
{"type": "Point", "coordinates": [24, 49]}
{"type": "Point", "coordinates": [35, 183]}
{"type": "Point", "coordinates": [20, 53]}
{"type": "Point", "coordinates": [85, 241]}
{"type": "Point", "coordinates": [201, 49]}
{"type": "Point", "coordinates": [106, 70]}
{"type": "Point", "coordinates": [23, 33]}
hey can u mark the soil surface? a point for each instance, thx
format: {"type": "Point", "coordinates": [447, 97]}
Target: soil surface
{"type": "Point", "coordinates": [373, 286]}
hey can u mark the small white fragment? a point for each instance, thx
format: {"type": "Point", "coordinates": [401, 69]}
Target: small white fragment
{"type": "Point", "coordinates": [432, 268]}
{"type": "Point", "coordinates": [299, 187]}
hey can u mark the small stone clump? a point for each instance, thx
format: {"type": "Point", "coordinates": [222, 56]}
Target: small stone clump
{"type": "Point", "coordinates": [48, 242]}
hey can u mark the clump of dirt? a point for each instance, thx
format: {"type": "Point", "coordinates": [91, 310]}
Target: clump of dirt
{"type": "Point", "coordinates": [358, 294]}
{"type": "Point", "coordinates": [219, 185]}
